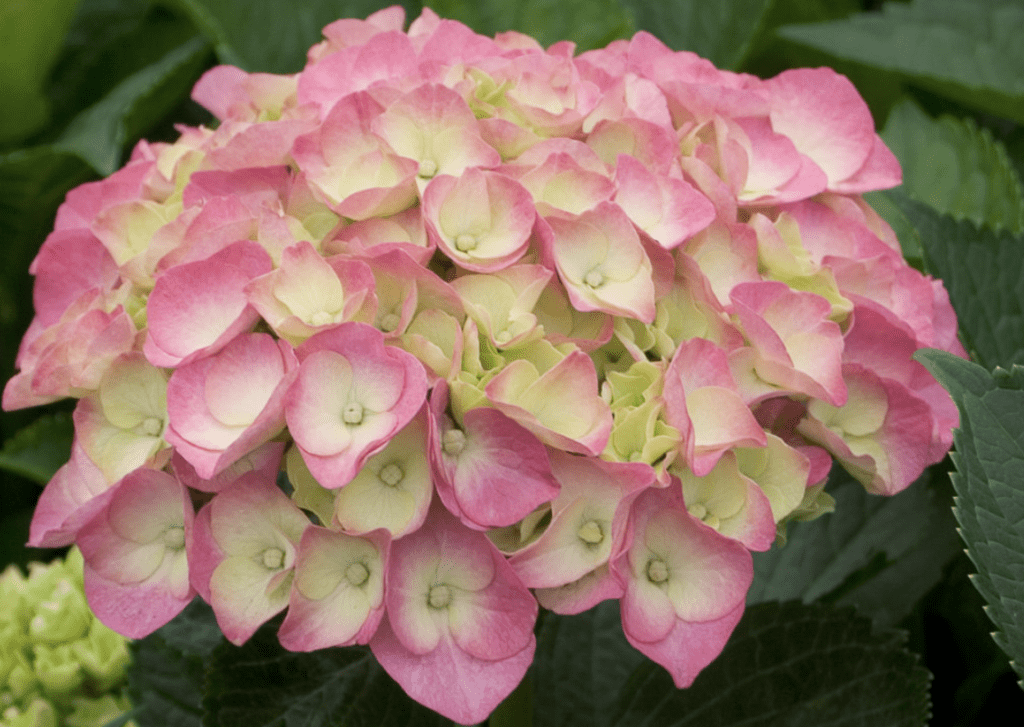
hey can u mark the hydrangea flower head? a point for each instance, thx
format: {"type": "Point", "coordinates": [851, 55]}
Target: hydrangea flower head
{"type": "Point", "coordinates": [445, 328]}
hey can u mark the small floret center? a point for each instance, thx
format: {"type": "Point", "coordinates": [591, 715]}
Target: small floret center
{"type": "Point", "coordinates": [152, 426]}
{"type": "Point", "coordinates": [273, 558]}
{"type": "Point", "coordinates": [353, 413]}
{"type": "Point", "coordinates": [440, 596]}
{"type": "Point", "coordinates": [698, 510]}
{"type": "Point", "coordinates": [427, 168]}
{"type": "Point", "coordinates": [390, 322]}
{"type": "Point", "coordinates": [174, 537]}
{"type": "Point", "coordinates": [594, 279]}
{"type": "Point", "coordinates": [657, 571]}
{"type": "Point", "coordinates": [321, 318]}
{"type": "Point", "coordinates": [453, 442]}
{"type": "Point", "coordinates": [591, 532]}
{"type": "Point", "coordinates": [357, 574]}
{"type": "Point", "coordinates": [391, 474]}
{"type": "Point", "coordinates": [465, 242]}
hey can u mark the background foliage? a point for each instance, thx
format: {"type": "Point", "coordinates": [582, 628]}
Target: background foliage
{"type": "Point", "coordinates": [847, 620]}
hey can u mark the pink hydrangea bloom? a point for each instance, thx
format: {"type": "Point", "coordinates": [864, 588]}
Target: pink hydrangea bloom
{"type": "Point", "coordinates": [511, 328]}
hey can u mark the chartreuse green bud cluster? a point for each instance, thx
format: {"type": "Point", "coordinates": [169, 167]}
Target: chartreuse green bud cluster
{"type": "Point", "coordinates": [59, 666]}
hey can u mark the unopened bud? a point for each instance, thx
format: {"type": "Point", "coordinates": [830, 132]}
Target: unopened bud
{"type": "Point", "coordinates": [391, 474]}
{"type": "Point", "coordinates": [453, 442]}
{"type": "Point", "coordinates": [440, 596]}
{"type": "Point", "coordinates": [657, 571]}
{"type": "Point", "coordinates": [353, 413]}
{"type": "Point", "coordinates": [357, 574]}
{"type": "Point", "coordinates": [273, 558]}
{"type": "Point", "coordinates": [590, 532]}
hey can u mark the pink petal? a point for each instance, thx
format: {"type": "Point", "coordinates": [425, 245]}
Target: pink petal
{"type": "Point", "coordinates": [501, 474]}
{"type": "Point", "coordinates": [689, 647]}
{"type": "Point", "coordinates": [326, 607]}
{"type": "Point", "coordinates": [825, 116]}
{"type": "Point", "coordinates": [75, 493]}
{"type": "Point", "coordinates": [197, 308]}
{"type": "Point", "coordinates": [448, 680]}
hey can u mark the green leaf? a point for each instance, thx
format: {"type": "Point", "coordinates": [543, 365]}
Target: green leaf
{"type": "Point", "coordinates": [259, 684]}
{"type": "Point", "coordinates": [988, 293]}
{"type": "Point", "coordinates": [581, 665]}
{"type": "Point", "coordinates": [723, 32]}
{"type": "Point", "coordinates": [193, 631]}
{"type": "Point", "coordinates": [588, 23]}
{"type": "Point", "coordinates": [790, 664]}
{"type": "Point", "coordinates": [31, 35]}
{"type": "Point", "coordinates": [880, 554]}
{"type": "Point", "coordinates": [1015, 150]}
{"type": "Point", "coordinates": [278, 41]}
{"type": "Point", "coordinates": [40, 449]}
{"type": "Point", "coordinates": [100, 133]}
{"type": "Point", "coordinates": [955, 167]}
{"type": "Point", "coordinates": [109, 40]}
{"type": "Point", "coordinates": [966, 50]}
{"type": "Point", "coordinates": [166, 676]}
{"type": "Point", "coordinates": [797, 11]}
{"type": "Point", "coordinates": [989, 484]}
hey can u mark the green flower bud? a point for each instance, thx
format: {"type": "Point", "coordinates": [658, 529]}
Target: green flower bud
{"type": "Point", "coordinates": [13, 596]}
{"type": "Point", "coordinates": [63, 616]}
{"type": "Point", "coordinates": [96, 712]}
{"type": "Point", "coordinates": [640, 435]}
{"type": "Point", "coordinates": [58, 670]}
{"type": "Point", "coordinates": [53, 650]}
{"type": "Point", "coordinates": [103, 655]}
{"type": "Point", "coordinates": [22, 679]}
{"type": "Point", "coordinates": [641, 383]}
{"type": "Point", "coordinates": [816, 503]}
{"type": "Point", "coordinates": [12, 641]}
{"type": "Point", "coordinates": [39, 713]}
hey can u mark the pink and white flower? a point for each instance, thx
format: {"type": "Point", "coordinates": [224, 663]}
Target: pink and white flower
{"type": "Point", "coordinates": [684, 583]}
{"type": "Point", "coordinates": [458, 635]}
{"type": "Point", "coordinates": [242, 552]}
{"type": "Point", "coordinates": [224, 406]}
{"type": "Point", "coordinates": [350, 396]}
{"type": "Point", "coordinates": [136, 570]}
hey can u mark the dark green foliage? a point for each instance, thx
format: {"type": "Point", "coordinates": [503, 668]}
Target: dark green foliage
{"type": "Point", "coordinates": [989, 483]}
{"type": "Point", "coordinates": [790, 664]}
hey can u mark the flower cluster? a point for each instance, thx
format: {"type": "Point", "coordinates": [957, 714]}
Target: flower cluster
{"type": "Point", "coordinates": [59, 665]}
{"type": "Point", "coordinates": [444, 327]}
